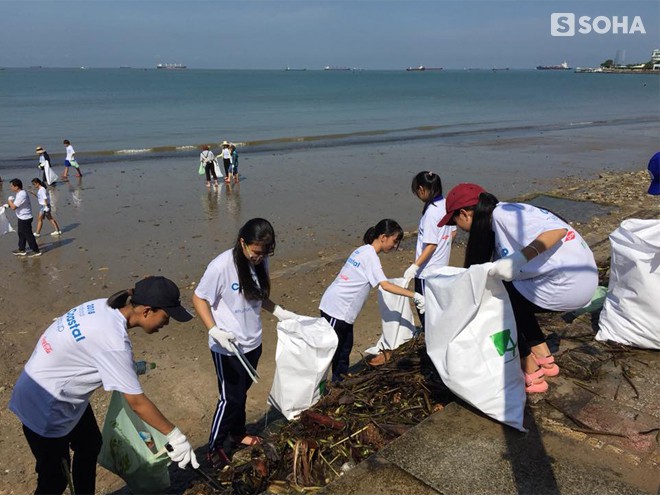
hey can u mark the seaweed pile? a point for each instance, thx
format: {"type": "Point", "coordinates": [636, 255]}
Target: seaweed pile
{"type": "Point", "coordinates": [355, 419]}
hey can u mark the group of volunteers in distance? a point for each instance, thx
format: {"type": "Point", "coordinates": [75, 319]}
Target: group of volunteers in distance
{"type": "Point", "coordinates": [544, 263]}
{"type": "Point", "coordinates": [209, 166]}
{"type": "Point", "coordinates": [20, 203]}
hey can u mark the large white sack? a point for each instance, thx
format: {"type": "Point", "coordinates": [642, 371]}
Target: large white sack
{"type": "Point", "coordinates": [305, 347]}
{"type": "Point", "coordinates": [631, 313]}
{"type": "Point", "coordinates": [472, 340]}
{"type": "Point", "coordinates": [396, 318]}
{"type": "Point", "coordinates": [51, 176]}
{"type": "Point", "coordinates": [5, 227]}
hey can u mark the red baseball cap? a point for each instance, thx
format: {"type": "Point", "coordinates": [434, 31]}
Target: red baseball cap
{"type": "Point", "coordinates": [462, 195]}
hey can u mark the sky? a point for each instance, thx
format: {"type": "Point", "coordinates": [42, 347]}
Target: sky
{"type": "Point", "coordinates": [274, 34]}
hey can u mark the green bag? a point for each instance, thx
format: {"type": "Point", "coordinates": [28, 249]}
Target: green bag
{"type": "Point", "coordinates": [202, 168]}
{"type": "Point", "coordinates": [74, 163]}
{"type": "Point", "coordinates": [125, 453]}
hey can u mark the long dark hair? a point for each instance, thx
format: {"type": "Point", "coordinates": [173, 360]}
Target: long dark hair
{"type": "Point", "coordinates": [259, 231]}
{"type": "Point", "coordinates": [429, 181]}
{"type": "Point", "coordinates": [481, 243]}
{"type": "Point", "coordinates": [39, 182]}
{"type": "Point", "coordinates": [387, 227]}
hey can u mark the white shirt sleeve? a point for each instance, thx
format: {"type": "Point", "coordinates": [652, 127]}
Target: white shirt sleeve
{"type": "Point", "coordinates": [118, 372]}
{"type": "Point", "coordinates": [211, 286]}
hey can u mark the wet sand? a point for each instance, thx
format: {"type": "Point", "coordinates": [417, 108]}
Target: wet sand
{"type": "Point", "coordinates": [123, 221]}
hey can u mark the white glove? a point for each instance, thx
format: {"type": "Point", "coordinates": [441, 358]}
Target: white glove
{"type": "Point", "coordinates": [46, 209]}
{"type": "Point", "coordinates": [182, 452]}
{"type": "Point", "coordinates": [411, 272]}
{"type": "Point", "coordinates": [420, 302]}
{"type": "Point", "coordinates": [507, 268]}
{"type": "Point", "coordinates": [224, 338]}
{"type": "Point", "coordinates": [10, 198]}
{"type": "Point", "coordinates": [282, 314]}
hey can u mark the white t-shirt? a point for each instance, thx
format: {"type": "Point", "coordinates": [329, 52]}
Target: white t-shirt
{"type": "Point", "coordinates": [562, 278]}
{"type": "Point", "coordinates": [345, 296]}
{"type": "Point", "coordinates": [230, 309]}
{"type": "Point", "coordinates": [206, 156]}
{"type": "Point", "coordinates": [69, 152]}
{"type": "Point", "coordinates": [84, 349]}
{"type": "Point", "coordinates": [429, 233]}
{"type": "Point", "coordinates": [23, 205]}
{"type": "Point", "coordinates": [42, 196]}
{"type": "Point", "coordinates": [226, 153]}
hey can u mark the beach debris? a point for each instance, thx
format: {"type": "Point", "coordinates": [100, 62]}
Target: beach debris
{"type": "Point", "coordinates": [355, 419]}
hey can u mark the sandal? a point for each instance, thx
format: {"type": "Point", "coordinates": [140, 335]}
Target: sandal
{"type": "Point", "coordinates": [380, 358]}
{"type": "Point", "coordinates": [217, 458]}
{"type": "Point", "coordinates": [534, 382]}
{"type": "Point", "coordinates": [247, 440]}
{"type": "Point", "coordinates": [548, 364]}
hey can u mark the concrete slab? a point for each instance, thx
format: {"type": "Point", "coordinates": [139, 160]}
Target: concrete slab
{"type": "Point", "coordinates": [378, 476]}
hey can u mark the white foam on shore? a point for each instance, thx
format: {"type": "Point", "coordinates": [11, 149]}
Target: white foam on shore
{"type": "Point", "coordinates": [186, 147]}
{"type": "Point", "coordinates": [580, 123]}
{"type": "Point", "coordinates": [134, 151]}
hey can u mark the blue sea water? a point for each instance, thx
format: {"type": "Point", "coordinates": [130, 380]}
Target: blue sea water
{"type": "Point", "coordinates": [122, 114]}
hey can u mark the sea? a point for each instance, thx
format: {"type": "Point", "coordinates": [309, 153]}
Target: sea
{"type": "Point", "coordinates": [128, 114]}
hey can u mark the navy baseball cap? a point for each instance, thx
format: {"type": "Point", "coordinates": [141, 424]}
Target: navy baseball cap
{"type": "Point", "coordinates": [161, 293]}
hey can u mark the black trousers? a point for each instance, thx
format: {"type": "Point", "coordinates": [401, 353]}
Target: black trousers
{"type": "Point", "coordinates": [226, 163]}
{"type": "Point", "coordinates": [209, 169]}
{"type": "Point", "coordinates": [51, 453]}
{"type": "Point", "coordinates": [24, 230]}
{"type": "Point", "coordinates": [233, 384]}
{"type": "Point", "coordinates": [342, 358]}
{"type": "Point", "coordinates": [529, 331]}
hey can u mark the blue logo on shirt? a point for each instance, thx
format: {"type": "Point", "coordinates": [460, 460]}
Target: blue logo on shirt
{"type": "Point", "coordinates": [235, 286]}
{"type": "Point", "coordinates": [73, 325]}
{"type": "Point", "coordinates": [353, 262]}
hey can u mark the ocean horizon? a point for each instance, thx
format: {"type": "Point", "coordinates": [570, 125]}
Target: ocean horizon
{"type": "Point", "coordinates": [135, 114]}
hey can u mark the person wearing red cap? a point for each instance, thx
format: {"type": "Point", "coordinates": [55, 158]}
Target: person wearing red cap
{"type": "Point", "coordinates": [544, 263]}
{"type": "Point", "coordinates": [84, 349]}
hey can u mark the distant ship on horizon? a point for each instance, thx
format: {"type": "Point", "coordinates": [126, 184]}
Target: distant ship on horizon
{"type": "Point", "coordinates": [336, 68]}
{"type": "Point", "coordinates": [423, 68]}
{"type": "Point", "coordinates": [171, 66]}
{"type": "Point", "coordinates": [561, 67]}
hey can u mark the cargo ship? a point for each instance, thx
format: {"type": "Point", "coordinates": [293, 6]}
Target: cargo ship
{"type": "Point", "coordinates": [561, 67]}
{"type": "Point", "coordinates": [171, 66]}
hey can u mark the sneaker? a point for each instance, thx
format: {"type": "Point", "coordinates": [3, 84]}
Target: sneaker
{"type": "Point", "coordinates": [19, 252]}
{"type": "Point", "coordinates": [35, 254]}
{"type": "Point", "coordinates": [36, 235]}
{"type": "Point", "coordinates": [56, 233]}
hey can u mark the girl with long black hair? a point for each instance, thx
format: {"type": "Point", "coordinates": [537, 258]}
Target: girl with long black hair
{"type": "Point", "coordinates": [544, 263]}
{"type": "Point", "coordinates": [343, 299]}
{"type": "Point", "coordinates": [228, 300]}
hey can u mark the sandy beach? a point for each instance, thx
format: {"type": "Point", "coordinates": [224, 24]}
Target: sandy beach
{"type": "Point", "coordinates": [124, 221]}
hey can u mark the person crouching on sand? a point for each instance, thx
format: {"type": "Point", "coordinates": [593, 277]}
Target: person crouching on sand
{"type": "Point", "coordinates": [84, 349]}
{"type": "Point", "coordinates": [228, 300]}
{"type": "Point", "coordinates": [343, 299]}
{"type": "Point", "coordinates": [544, 263]}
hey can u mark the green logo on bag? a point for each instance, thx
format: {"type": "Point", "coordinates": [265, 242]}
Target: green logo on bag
{"type": "Point", "coordinates": [504, 343]}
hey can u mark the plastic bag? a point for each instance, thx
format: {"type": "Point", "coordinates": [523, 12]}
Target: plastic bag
{"type": "Point", "coordinates": [202, 169]}
{"type": "Point", "coordinates": [125, 453]}
{"type": "Point", "coordinates": [5, 227]}
{"type": "Point", "coordinates": [471, 338]}
{"type": "Point", "coordinates": [396, 318]}
{"type": "Point", "coordinates": [631, 312]}
{"type": "Point", "coordinates": [216, 168]}
{"type": "Point", "coordinates": [305, 347]}
{"type": "Point", "coordinates": [51, 176]}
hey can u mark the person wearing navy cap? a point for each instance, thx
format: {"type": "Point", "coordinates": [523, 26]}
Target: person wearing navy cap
{"type": "Point", "coordinates": [654, 171]}
{"type": "Point", "coordinates": [544, 263]}
{"type": "Point", "coordinates": [82, 350]}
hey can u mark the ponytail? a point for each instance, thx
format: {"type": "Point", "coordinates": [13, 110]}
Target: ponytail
{"type": "Point", "coordinates": [387, 227]}
{"type": "Point", "coordinates": [119, 299]}
{"type": "Point", "coordinates": [39, 182]}
{"type": "Point", "coordinates": [481, 243]}
{"type": "Point", "coordinates": [429, 181]}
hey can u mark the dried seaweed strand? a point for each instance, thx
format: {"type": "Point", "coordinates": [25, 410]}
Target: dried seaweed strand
{"type": "Point", "coordinates": [349, 437]}
{"type": "Point", "coordinates": [629, 380]}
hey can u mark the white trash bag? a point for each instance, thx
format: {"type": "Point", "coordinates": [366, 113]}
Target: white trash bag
{"type": "Point", "coordinates": [396, 318]}
{"type": "Point", "coordinates": [471, 338]}
{"type": "Point", "coordinates": [5, 227]}
{"type": "Point", "coordinates": [305, 346]}
{"type": "Point", "coordinates": [51, 176]}
{"type": "Point", "coordinates": [631, 312]}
